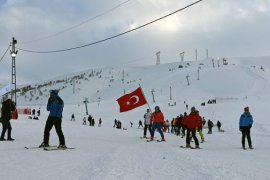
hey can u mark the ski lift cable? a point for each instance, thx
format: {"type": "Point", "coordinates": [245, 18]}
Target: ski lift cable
{"type": "Point", "coordinates": [5, 53]}
{"type": "Point", "coordinates": [112, 37]}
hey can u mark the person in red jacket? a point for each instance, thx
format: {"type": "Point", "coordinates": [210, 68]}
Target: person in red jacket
{"type": "Point", "coordinates": [192, 122]}
{"type": "Point", "coordinates": [157, 120]}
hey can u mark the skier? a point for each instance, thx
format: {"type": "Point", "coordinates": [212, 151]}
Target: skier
{"type": "Point", "coordinates": [200, 129]}
{"type": "Point", "coordinates": [219, 125]}
{"type": "Point", "coordinates": [147, 123]}
{"type": "Point", "coordinates": [55, 106]}
{"type": "Point", "coordinates": [140, 124]}
{"type": "Point", "coordinates": [99, 122]}
{"type": "Point", "coordinates": [84, 120]}
{"type": "Point", "coordinates": [72, 117]}
{"type": "Point", "coordinates": [210, 126]}
{"type": "Point", "coordinates": [7, 107]}
{"type": "Point", "coordinates": [38, 112]}
{"type": "Point", "coordinates": [115, 123]}
{"type": "Point", "coordinates": [192, 122]}
{"type": "Point", "coordinates": [245, 124]}
{"type": "Point", "coordinates": [33, 112]}
{"type": "Point", "coordinates": [157, 120]}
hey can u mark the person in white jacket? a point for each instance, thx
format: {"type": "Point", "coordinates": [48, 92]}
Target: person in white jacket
{"type": "Point", "coordinates": [147, 123]}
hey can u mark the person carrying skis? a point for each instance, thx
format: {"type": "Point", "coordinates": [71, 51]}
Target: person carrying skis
{"type": "Point", "coordinates": [147, 123]}
{"type": "Point", "coordinates": [245, 124]}
{"type": "Point", "coordinates": [55, 106]}
{"type": "Point", "coordinates": [7, 107]}
{"type": "Point", "coordinates": [157, 120]}
{"type": "Point", "coordinates": [192, 122]}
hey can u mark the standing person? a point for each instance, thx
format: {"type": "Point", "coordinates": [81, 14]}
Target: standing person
{"type": "Point", "coordinates": [192, 122]}
{"type": "Point", "coordinates": [147, 123]}
{"type": "Point", "coordinates": [200, 128]}
{"type": "Point", "coordinates": [115, 123]}
{"type": "Point", "coordinates": [72, 117]}
{"type": "Point", "coordinates": [7, 107]}
{"type": "Point", "coordinates": [140, 124]}
{"type": "Point", "coordinates": [99, 122]}
{"type": "Point", "coordinates": [84, 120]}
{"type": "Point", "coordinates": [210, 125]}
{"type": "Point", "coordinates": [55, 106]}
{"type": "Point", "coordinates": [157, 120]}
{"type": "Point", "coordinates": [219, 125]}
{"type": "Point", "coordinates": [245, 124]}
{"type": "Point", "coordinates": [33, 112]}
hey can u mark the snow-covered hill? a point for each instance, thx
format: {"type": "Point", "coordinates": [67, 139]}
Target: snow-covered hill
{"type": "Point", "coordinates": [108, 153]}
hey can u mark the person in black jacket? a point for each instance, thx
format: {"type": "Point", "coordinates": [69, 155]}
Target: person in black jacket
{"type": "Point", "coordinates": [7, 107]}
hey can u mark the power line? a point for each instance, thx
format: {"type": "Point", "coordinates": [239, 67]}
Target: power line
{"type": "Point", "coordinates": [4, 53]}
{"type": "Point", "coordinates": [112, 37]}
{"type": "Point", "coordinates": [76, 25]}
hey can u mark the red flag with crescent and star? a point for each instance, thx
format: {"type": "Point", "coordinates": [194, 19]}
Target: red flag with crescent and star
{"type": "Point", "coordinates": [131, 100]}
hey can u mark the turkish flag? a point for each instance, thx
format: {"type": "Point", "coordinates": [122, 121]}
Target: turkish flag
{"type": "Point", "coordinates": [131, 100]}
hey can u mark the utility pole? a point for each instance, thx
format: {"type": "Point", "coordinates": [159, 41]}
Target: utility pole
{"type": "Point", "coordinates": [170, 93]}
{"type": "Point", "coordinates": [187, 79]}
{"type": "Point", "coordinates": [182, 56]}
{"type": "Point", "coordinates": [13, 53]}
{"type": "Point", "coordinates": [158, 58]}
{"type": "Point", "coordinates": [196, 54]}
{"type": "Point", "coordinates": [85, 102]}
{"type": "Point", "coordinates": [206, 53]}
{"type": "Point", "coordinates": [73, 83]}
{"type": "Point", "coordinates": [213, 62]}
{"type": "Point", "coordinates": [198, 73]}
{"type": "Point", "coordinates": [123, 77]}
{"type": "Point", "coordinates": [152, 91]}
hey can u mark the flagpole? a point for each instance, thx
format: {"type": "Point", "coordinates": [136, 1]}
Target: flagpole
{"type": "Point", "coordinates": [146, 99]}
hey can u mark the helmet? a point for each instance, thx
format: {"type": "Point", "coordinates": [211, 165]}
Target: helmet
{"type": "Point", "coordinates": [193, 109]}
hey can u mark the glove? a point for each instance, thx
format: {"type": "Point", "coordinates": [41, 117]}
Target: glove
{"type": "Point", "coordinates": [250, 125]}
{"type": "Point", "coordinates": [240, 129]}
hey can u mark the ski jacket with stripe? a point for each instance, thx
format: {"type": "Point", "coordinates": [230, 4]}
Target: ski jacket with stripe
{"type": "Point", "coordinates": [147, 118]}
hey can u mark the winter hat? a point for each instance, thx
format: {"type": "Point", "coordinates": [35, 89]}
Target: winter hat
{"type": "Point", "coordinates": [157, 108]}
{"type": "Point", "coordinates": [54, 91]}
{"type": "Point", "coordinates": [246, 108]}
{"type": "Point", "coordinates": [193, 109]}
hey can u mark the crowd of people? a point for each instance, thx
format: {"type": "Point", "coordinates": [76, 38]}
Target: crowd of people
{"type": "Point", "coordinates": [184, 125]}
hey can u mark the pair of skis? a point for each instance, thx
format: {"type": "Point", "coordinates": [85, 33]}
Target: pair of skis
{"type": "Point", "coordinates": [50, 148]}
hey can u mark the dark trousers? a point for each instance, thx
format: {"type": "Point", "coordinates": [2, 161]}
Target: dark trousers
{"type": "Point", "coordinates": [246, 133]}
{"type": "Point", "coordinates": [193, 133]}
{"type": "Point", "coordinates": [6, 127]}
{"type": "Point", "coordinates": [149, 127]}
{"type": "Point", "coordinates": [56, 122]}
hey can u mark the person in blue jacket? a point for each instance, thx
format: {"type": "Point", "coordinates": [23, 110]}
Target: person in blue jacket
{"type": "Point", "coordinates": [55, 106]}
{"type": "Point", "coordinates": [245, 124]}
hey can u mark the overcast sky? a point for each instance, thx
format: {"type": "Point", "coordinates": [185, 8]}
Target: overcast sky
{"type": "Point", "coordinates": [227, 28]}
